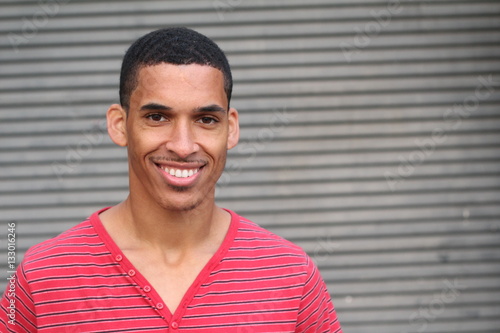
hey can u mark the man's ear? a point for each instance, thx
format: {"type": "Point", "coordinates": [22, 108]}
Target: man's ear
{"type": "Point", "coordinates": [117, 130]}
{"type": "Point", "coordinates": [233, 135]}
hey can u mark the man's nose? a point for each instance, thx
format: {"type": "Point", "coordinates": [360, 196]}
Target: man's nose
{"type": "Point", "coordinates": [182, 140]}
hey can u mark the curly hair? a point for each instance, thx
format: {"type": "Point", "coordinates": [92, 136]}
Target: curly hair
{"type": "Point", "coordinates": [177, 46]}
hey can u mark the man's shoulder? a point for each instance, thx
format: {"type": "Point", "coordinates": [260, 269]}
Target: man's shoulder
{"type": "Point", "coordinates": [252, 236]}
{"type": "Point", "coordinates": [73, 241]}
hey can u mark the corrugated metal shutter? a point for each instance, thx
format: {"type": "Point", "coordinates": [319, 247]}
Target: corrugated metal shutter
{"type": "Point", "coordinates": [370, 136]}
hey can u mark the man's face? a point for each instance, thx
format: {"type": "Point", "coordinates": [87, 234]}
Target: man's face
{"type": "Point", "coordinates": [178, 131]}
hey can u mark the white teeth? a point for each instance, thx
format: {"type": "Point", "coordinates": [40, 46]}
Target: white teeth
{"type": "Point", "coordinates": [181, 173]}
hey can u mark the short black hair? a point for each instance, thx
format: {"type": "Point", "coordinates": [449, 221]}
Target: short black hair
{"type": "Point", "coordinates": [177, 46]}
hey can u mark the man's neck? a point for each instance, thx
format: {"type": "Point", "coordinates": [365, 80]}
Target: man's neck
{"type": "Point", "coordinates": [169, 248]}
{"type": "Point", "coordinates": [139, 225]}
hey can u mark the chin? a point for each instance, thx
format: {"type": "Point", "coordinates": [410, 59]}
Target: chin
{"type": "Point", "coordinates": [184, 206]}
{"type": "Point", "coordinates": [179, 189]}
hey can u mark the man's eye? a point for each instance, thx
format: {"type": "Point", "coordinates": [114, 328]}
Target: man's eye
{"type": "Point", "coordinates": [208, 120]}
{"type": "Point", "coordinates": [156, 117]}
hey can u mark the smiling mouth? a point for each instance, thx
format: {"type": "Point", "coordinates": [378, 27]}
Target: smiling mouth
{"type": "Point", "coordinates": [177, 168]}
{"type": "Point", "coordinates": [180, 173]}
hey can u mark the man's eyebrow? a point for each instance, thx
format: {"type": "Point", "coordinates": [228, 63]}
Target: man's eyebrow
{"type": "Point", "coordinates": [155, 107]}
{"type": "Point", "coordinates": [161, 107]}
{"type": "Point", "coordinates": [211, 108]}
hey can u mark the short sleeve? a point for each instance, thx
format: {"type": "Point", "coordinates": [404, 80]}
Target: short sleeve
{"type": "Point", "coordinates": [17, 311]}
{"type": "Point", "coordinates": [317, 313]}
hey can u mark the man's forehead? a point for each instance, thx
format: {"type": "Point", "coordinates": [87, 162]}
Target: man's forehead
{"type": "Point", "coordinates": [155, 77]}
{"type": "Point", "coordinates": [171, 83]}
{"type": "Point", "coordinates": [170, 69]}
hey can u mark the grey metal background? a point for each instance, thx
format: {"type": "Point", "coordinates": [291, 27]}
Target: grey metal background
{"type": "Point", "coordinates": [370, 137]}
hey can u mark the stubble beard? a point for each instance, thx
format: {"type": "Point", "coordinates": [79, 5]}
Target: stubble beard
{"type": "Point", "coordinates": [189, 206]}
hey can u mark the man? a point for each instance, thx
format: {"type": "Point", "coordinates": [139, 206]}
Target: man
{"type": "Point", "coordinates": [167, 258]}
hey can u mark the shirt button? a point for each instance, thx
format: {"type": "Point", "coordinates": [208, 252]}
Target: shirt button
{"type": "Point", "coordinates": [131, 272]}
{"type": "Point", "coordinates": [175, 325]}
{"type": "Point", "coordinates": [159, 306]}
{"type": "Point", "coordinates": [119, 258]}
{"type": "Point", "coordinates": [147, 289]}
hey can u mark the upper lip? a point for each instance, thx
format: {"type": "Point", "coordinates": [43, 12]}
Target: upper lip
{"type": "Point", "coordinates": [181, 166]}
{"type": "Point", "coordinates": [188, 165]}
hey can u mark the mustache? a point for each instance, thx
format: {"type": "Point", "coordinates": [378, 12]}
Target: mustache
{"type": "Point", "coordinates": [157, 159]}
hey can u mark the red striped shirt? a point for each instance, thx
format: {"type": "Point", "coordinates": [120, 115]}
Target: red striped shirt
{"type": "Point", "coordinates": [80, 281]}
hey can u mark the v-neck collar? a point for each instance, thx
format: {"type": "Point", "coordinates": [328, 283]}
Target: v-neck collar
{"type": "Point", "coordinates": [146, 287]}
